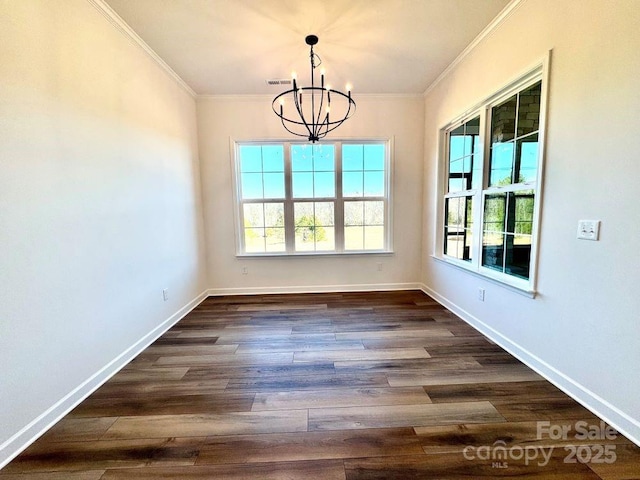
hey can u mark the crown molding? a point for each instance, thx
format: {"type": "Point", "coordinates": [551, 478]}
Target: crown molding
{"type": "Point", "coordinates": [488, 30]}
{"type": "Point", "coordinates": [128, 32]}
{"type": "Point", "coordinates": [266, 96]}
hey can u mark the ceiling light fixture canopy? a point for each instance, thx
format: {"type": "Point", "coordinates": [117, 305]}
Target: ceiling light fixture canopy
{"type": "Point", "coordinates": [312, 114]}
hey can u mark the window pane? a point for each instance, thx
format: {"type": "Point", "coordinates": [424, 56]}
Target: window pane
{"type": "Point", "coordinates": [467, 245]}
{"type": "Point", "coordinates": [254, 240]}
{"type": "Point", "coordinates": [352, 157]}
{"type": "Point", "coordinates": [252, 185]}
{"type": "Point", "coordinates": [314, 226]}
{"type": "Point", "coordinates": [325, 184]}
{"type": "Point", "coordinates": [472, 132]}
{"type": "Point", "coordinates": [303, 185]}
{"type": "Point", "coordinates": [456, 143]}
{"type": "Point", "coordinates": [323, 158]}
{"type": "Point", "coordinates": [274, 185]}
{"type": "Point", "coordinates": [253, 215]}
{"type": "Point", "coordinates": [494, 212]}
{"type": "Point", "coordinates": [273, 158]}
{"type": "Point", "coordinates": [373, 184]}
{"type": "Point", "coordinates": [324, 213]}
{"type": "Point", "coordinates": [305, 226]}
{"type": "Point", "coordinates": [274, 238]}
{"type": "Point", "coordinates": [354, 213]}
{"type": "Point", "coordinates": [518, 255]}
{"type": "Point", "coordinates": [453, 212]}
{"type": "Point", "coordinates": [374, 155]}
{"type": "Point", "coordinates": [327, 240]}
{"type": "Point", "coordinates": [456, 177]}
{"type": "Point", "coordinates": [529, 110]}
{"type": "Point", "coordinates": [451, 242]}
{"type": "Point", "coordinates": [374, 213]}
{"type": "Point", "coordinates": [301, 158]}
{"type": "Point", "coordinates": [274, 215]}
{"type": "Point", "coordinates": [352, 184]}
{"type": "Point", "coordinates": [503, 121]}
{"type": "Point", "coordinates": [373, 237]}
{"type": "Point", "coordinates": [493, 250]}
{"type": "Point", "coordinates": [456, 185]}
{"type": "Point", "coordinates": [523, 202]}
{"type": "Point", "coordinates": [527, 158]}
{"type": "Point", "coordinates": [250, 158]}
{"type": "Point", "coordinates": [354, 238]}
{"type": "Point", "coordinates": [501, 165]}
{"type": "Point", "coordinates": [459, 221]}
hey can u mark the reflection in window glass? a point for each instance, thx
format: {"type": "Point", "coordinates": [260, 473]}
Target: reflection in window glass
{"type": "Point", "coordinates": [514, 158]}
{"type": "Point", "coordinates": [465, 160]}
{"type": "Point", "coordinates": [458, 227]}
{"type": "Point", "coordinates": [529, 110]}
{"type": "Point", "coordinates": [507, 230]}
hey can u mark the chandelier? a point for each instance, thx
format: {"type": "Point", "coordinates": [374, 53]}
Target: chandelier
{"type": "Point", "coordinates": [308, 111]}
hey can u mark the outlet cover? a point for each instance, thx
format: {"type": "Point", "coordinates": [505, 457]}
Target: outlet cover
{"type": "Point", "coordinates": [589, 230]}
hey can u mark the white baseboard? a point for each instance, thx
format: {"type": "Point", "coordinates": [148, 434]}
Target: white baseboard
{"type": "Point", "coordinates": [371, 287]}
{"type": "Point", "coordinates": [32, 431]}
{"type": "Point", "coordinates": [621, 421]}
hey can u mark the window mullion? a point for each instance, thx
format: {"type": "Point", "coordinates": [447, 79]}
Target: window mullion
{"type": "Point", "coordinates": [289, 220]}
{"type": "Point", "coordinates": [338, 219]}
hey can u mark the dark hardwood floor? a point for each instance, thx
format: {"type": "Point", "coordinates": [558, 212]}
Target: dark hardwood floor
{"type": "Point", "coordinates": [384, 385]}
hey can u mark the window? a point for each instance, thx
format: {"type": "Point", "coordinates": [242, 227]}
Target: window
{"type": "Point", "coordinates": [297, 198]}
{"type": "Point", "coordinates": [491, 188]}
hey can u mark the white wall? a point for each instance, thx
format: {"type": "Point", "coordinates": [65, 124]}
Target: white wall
{"type": "Point", "coordinates": [99, 207]}
{"type": "Point", "coordinates": [223, 118]}
{"type": "Point", "coordinates": [582, 330]}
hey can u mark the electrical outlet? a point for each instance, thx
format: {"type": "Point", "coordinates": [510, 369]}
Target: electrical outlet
{"type": "Point", "coordinates": [245, 270]}
{"type": "Point", "coordinates": [165, 294]}
{"type": "Point", "coordinates": [379, 266]}
{"type": "Point", "coordinates": [481, 294]}
{"type": "Point", "coordinates": [589, 230]}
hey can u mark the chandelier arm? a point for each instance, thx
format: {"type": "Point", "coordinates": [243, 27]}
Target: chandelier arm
{"type": "Point", "coordinates": [320, 109]}
{"type": "Point", "coordinates": [300, 112]}
{"type": "Point", "coordinates": [289, 130]}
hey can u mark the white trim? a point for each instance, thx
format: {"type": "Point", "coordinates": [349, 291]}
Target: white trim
{"type": "Point", "coordinates": [289, 200]}
{"type": "Point", "coordinates": [488, 30]}
{"type": "Point", "coordinates": [38, 426]}
{"type": "Point", "coordinates": [128, 32]}
{"type": "Point", "coordinates": [621, 421]}
{"type": "Point", "coordinates": [360, 287]}
{"type": "Point", "coordinates": [538, 72]}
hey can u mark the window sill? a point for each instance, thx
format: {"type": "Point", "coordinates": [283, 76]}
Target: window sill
{"type": "Point", "coordinates": [315, 254]}
{"type": "Point", "coordinates": [505, 283]}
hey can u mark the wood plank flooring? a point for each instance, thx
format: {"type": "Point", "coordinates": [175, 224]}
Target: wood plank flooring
{"type": "Point", "coordinates": [353, 386]}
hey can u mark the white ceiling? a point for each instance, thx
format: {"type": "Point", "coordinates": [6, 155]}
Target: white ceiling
{"type": "Point", "coordinates": [222, 47]}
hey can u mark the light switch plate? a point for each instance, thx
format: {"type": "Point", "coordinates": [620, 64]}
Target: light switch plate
{"type": "Point", "coordinates": [589, 229]}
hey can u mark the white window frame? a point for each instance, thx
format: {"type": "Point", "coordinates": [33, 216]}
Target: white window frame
{"type": "Point", "coordinates": [540, 72]}
{"type": "Point", "coordinates": [289, 200]}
